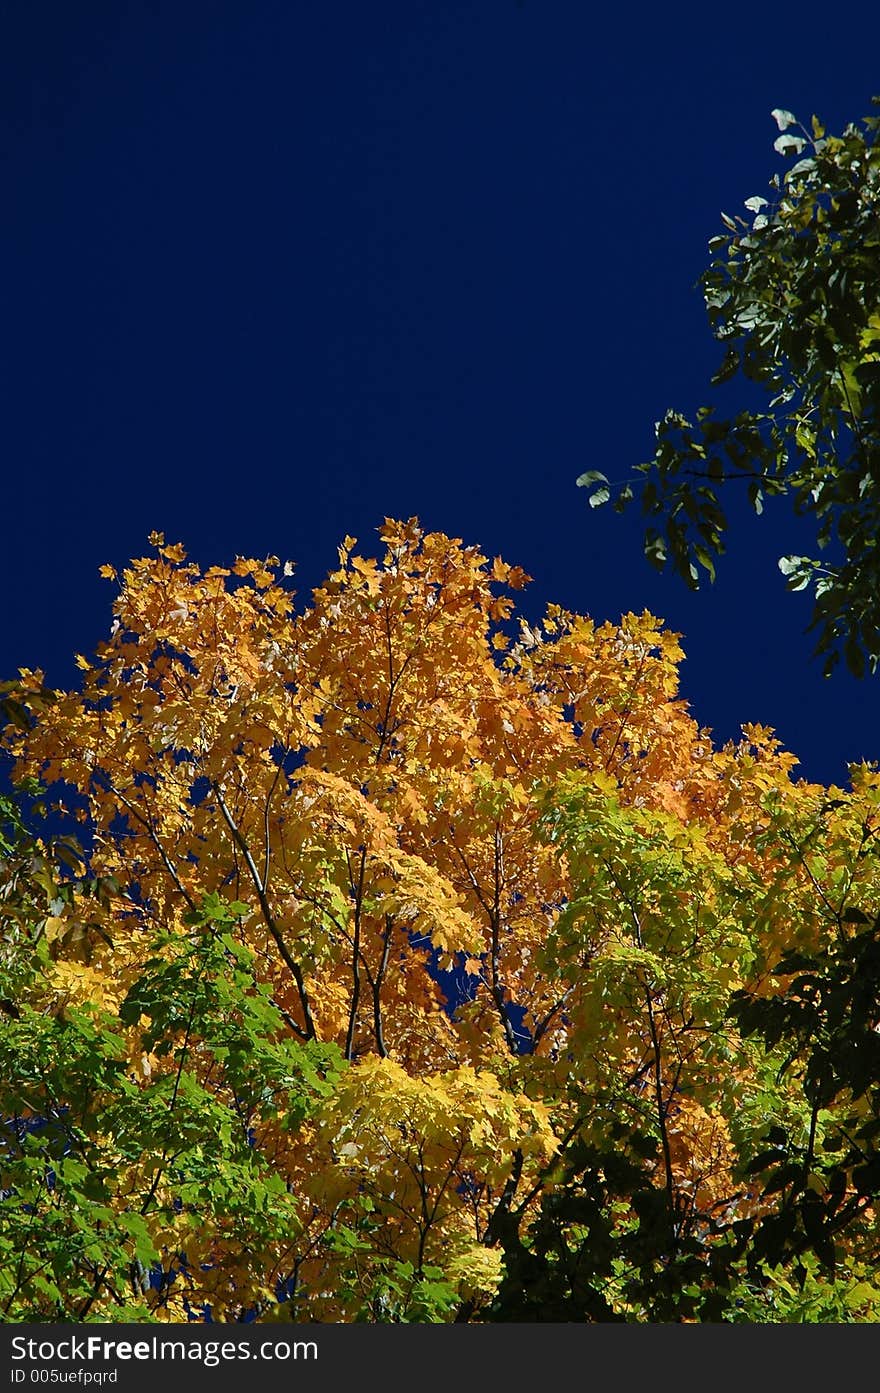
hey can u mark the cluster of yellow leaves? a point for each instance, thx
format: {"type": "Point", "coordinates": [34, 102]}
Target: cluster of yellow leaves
{"type": "Point", "coordinates": [433, 1155]}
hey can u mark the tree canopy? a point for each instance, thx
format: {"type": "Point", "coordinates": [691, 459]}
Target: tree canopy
{"type": "Point", "coordinates": [395, 957]}
{"type": "Point", "coordinates": [792, 293]}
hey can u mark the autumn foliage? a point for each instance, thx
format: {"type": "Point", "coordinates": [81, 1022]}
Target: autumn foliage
{"type": "Point", "coordinates": [424, 963]}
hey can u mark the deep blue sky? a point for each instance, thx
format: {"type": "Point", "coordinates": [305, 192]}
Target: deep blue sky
{"type": "Point", "coordinates": [272, 271]}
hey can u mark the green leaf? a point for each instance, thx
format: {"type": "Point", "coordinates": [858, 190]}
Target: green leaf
{"type": "Point", "coordinates": [797, 569]}
{"type": "Point", "coordinates": [789, 144]}
{"type": "Point", "coordinates": [705, 561]}
{"type": "Point", "coordinates": [783, 118]}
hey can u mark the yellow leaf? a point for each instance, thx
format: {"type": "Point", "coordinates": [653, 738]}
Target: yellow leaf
{"type": "Point", "coordinates": [175, 552]}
